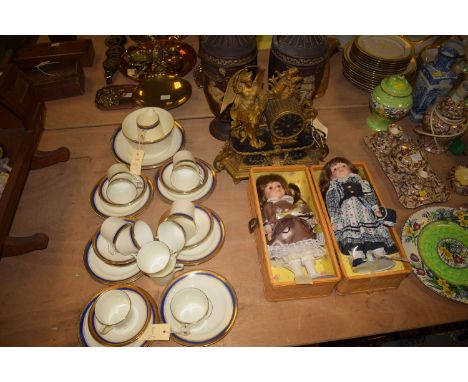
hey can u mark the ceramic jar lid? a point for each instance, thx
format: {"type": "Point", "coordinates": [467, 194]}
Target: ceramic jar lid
{"type": "Point", "coordinates": [397, 86]}
{"type": "Point", "coordinates": [148, 125]}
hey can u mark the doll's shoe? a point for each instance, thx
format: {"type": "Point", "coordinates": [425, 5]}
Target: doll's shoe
{"type": "Point", "coordinates": [357, 262]}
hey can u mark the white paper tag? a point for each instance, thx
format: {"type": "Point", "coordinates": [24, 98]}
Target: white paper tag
{"type": "Point", "coordinates": [416, 157]}
{"type": "Point", "coordinates": [137, 160]}
{"type": "Point", "coordinates": [130, 72]}
{"type": "Point", "coordinates": [157, 332]}
{"type": "Point", "coordinates": [54, 44]}
{"type": "Point", "coordinates": [320, 126]}
{"type": "Point", "coordinates": [165, 97]}
{"type": "Point", "coordinates": [128, 95]}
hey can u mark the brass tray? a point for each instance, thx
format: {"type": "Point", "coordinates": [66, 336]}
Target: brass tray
{"type": "Point", "coordinates": [161, 57]}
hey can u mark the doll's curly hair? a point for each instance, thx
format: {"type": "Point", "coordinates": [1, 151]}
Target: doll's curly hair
{"type": "Point", "coordinates": [290, 189]}
{"type": "Point", "coordinates": [325, 176]}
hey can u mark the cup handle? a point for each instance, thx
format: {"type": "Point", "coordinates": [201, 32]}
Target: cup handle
{"type": "Point", "coordinates": [105, 329]}
{"type": "Point", "coordinates": [178, 267]}
{"type": "Point", "coordinates": [112, 249]}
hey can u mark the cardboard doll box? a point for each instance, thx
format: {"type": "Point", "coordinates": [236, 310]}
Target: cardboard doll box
{"type": "Point", "coordinates": [280, 282]}
{"type": "Point", "coordinates": [371, 281]}
{"type": "Point", "coordinates": [81, 50]}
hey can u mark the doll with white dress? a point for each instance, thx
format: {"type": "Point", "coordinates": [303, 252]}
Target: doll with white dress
{"type": "Point", "coordinates": [354, 213]}
{"type": "Point", "coordinates": [289, 226]}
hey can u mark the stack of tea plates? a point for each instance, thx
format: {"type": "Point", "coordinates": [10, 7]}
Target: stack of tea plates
{"type": "Point", "coordinates": [367, 60]}
{"type": "Point", "coordinates": [144, 312]}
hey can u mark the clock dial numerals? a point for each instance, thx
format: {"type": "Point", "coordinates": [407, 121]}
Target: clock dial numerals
{"type": "Point", "coordinates": [288, 125]}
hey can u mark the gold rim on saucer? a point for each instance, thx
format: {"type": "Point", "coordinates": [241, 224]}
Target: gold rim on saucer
{"type": "Point", "coordinates": [404, 43]}
{"type": "Point", "coordinates": [145, 167]}
{"type": "Point", "coordinates": [146, 296]}
{"type": "Point", "coordinates": [101, 340]}
{"type": "Point", "coordinates": [150, 142]}
{"type": "Point", "coordinates": [106, 260]}
{"type": "Point", "coordinates": [202, 198]}
{"type": "Point", "coordinates": [227, 284]}
{"type": "Point", "coordinates": [138, 197]}
{"type": "Point", "coordinates": [130, 279]}
{"type": "Point", "coordinates": [170, 188]}
{"type": "Point", "coordinates": [208, 211]}
{"type": "Point", "coordinates": [133, 214]}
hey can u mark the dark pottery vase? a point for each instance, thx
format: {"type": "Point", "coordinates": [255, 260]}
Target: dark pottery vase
{"type": "Point", "coordinates": [307, 53]}
{"type": "Point", "coordinates": [221, 57]}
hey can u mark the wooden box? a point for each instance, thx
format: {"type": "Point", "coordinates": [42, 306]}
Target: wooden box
{"type": "Point", "coordinates": [279, 282]}
{"type": "Point", "coordinates": [78, 50]}
{"type": "Point", "coordinates": [353, 282]}
{"type": "Point", "coordinates": [57, 80]}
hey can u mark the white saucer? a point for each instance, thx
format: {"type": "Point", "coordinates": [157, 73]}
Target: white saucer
{"type": "Point", "coordinates": [123, 151]}
{"type": "Point", "coordinates": [208, 248]}
{"type": "Point", "coordinates": [101, 245]}
{"type": "Point", "coordinates": [170, 196]}
{"type": "Point", "coordinates": [85, 335]}
{"type": "Point", "coordinates": [104, 210]}
{"type": "Point", "coordinates": [134, 323]}
{"type": "Point", "coordinates": [106, 273]}
{"type": "Point", "coordinates": [222, 296]}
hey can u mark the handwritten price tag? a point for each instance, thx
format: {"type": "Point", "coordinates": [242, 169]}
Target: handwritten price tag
{"type": "Point", "coordinates": [135, 163]}
{"type": "Point", "coordinates": [157, 332]}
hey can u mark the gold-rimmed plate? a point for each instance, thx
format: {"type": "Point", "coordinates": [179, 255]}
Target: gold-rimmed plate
{"type": "Point", "coordinates": [123, 152]}
{"type": "Point", "coordinates": [85, 336]}
{"type": "Point", "coordinates": [388, 48]}
{"type": "Point", "coordinates": [223, 299]}
{"type": "Point", "coordinates": [202, 249]}
{"type": "Point", "coordinates": [198, 196]}
{"type": "Point", "coordinates": [106, 273]}
{"type": "Point", "coordinates": [102, 251]}
{"type": "Point", "coordinates": [104, 210]}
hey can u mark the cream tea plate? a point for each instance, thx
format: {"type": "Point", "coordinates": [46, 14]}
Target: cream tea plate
{"type": "Point", "coordinates": [208, 247]}
{"type": "Point", "coordinates": [85, 334]}
{"type": "Point", "coordinates": [102, 251]}
{"type": "Point", "coordinates": [224, 301]}
{"type": "Point", "coordinates": [106, 273]}
{"type": "Point", "coordinates": [135, 323]}
{"type": "Point", "coordinates": [123, 151]}
{"type": "Point", "coordinates": [197, 196]}
{"type": "Point", "coordinates": [105, 210]}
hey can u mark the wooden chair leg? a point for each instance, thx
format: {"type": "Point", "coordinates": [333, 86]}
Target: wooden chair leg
{"type": "Point", "coordinates": [14, 246]}
{"type": "Point", "coordinates": [48, 158]}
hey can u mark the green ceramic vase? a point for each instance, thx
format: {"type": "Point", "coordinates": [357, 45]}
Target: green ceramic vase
{"type": "Point", "coordinates": [389, 102]}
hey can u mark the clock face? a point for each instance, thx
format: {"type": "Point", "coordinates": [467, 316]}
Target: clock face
{"type": "Point", "coordinates": [288, 125]}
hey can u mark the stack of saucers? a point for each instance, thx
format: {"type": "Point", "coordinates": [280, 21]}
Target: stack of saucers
{"type": "Point", "coordinates": [110, 256]}
{"type": "Point", "coordinates": [367, 60]}
{"type": "Point", "coordinates": [185, 178]}
{"type": "Point", "coordinates": [118, 316]}
{"type": "Point", "coordinates": [121, 193]}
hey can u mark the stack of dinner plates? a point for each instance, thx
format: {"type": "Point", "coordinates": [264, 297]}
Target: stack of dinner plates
{"type": "Point", "coordinates": [367, 60]}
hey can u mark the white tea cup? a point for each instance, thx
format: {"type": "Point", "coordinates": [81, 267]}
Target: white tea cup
{"type": "Point", "coordinates": [190, 307]}
{"type": "Point", "coordinates": [123, 242]}
{"type": "Point", "coordinates": [153, 257]}
{"type": "Point", "coordinates": [111, 309]}
{"type": "Point", "coordinates": [172, 234]}
{"type": "Point", "coordinates": [141, 233]}
{"type": "Point", "coordinates": [111, 226]}
{"type": "Point", "coordinates": [183, 212]}
{"type": "Point", "coordinates": [186, 175]}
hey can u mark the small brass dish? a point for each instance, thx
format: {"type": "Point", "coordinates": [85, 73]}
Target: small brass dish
{"type": "Point", "coordinates": [166, 92]}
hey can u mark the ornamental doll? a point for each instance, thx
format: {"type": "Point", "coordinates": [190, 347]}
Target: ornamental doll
{"type": "Point", "coordinates": [289, 226]}
{"type": "Point", "coordinates": [355, 215]}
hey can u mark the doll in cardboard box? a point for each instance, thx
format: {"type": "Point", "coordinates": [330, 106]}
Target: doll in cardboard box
{"type": "Point", "coordinates": [289, 226]}
{"type": "Point", "coordinates": [359, 223]}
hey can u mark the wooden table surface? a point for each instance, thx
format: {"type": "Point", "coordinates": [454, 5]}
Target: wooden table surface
{"type": "Point", "coordinates": [43, 293]}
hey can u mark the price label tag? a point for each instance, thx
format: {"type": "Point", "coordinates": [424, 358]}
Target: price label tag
{"type": "Point", "coordinates": [320, 126]}
{"type": "Point", "coordinates": [128, 95]}
{"type": "Point", "coordinates": [135, 163]}
{"type": "Point", "coordinates": [415, 158]}
{"type": "Point", "coordinates": [54, 44]}
{"type": "Point", "coordinates": [157, 332]}
{"type": "Point", "coordinates": [130, 72]}
{"type": "Point", "coordinates": [165, 97]}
